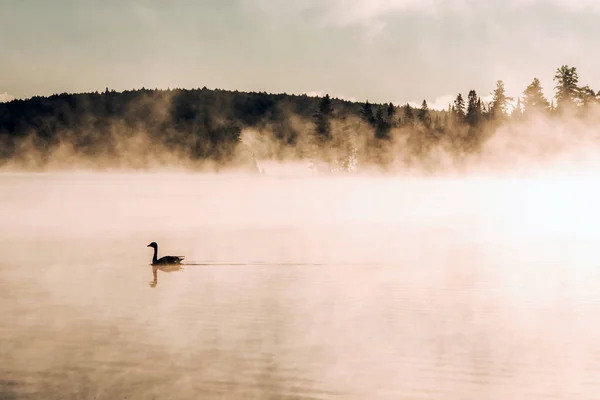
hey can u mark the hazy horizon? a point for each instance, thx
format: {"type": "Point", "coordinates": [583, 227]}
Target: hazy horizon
{"type": "Point", "coordinates": [383, 51]}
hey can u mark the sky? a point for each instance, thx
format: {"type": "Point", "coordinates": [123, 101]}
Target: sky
{"type": "Point", "coordinates": [377, 50]}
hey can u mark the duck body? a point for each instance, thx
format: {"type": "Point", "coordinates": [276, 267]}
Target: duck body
{"type": "Point", "coordinates": [165, 260]}
{"type": "Point", "coordinates": [168, 260]}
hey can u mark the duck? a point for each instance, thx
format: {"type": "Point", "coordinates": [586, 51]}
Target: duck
{"type": "Point", "coordinates": [166, 260]}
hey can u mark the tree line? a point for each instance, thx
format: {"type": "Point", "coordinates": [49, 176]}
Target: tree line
{"type": "Point", "coordinates": [203, 124]}
{"type": "Point", "coordinates": [466, 125]}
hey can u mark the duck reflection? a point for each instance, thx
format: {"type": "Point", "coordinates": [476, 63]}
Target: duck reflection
{"type": "Point", "coordinates": [163, 268]}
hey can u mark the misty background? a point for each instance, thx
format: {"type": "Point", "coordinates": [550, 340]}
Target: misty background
{"type": "Point", "coordinates": [415, 86]}
{"type": "Point", "coordinates": [383, 50]}
{"type": "Point", "coordinates": [215, 130]}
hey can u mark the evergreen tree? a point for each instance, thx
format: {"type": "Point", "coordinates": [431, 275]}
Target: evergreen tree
{"type": "Point", "coordinates": [533, 97]}
{"type": "Point", "coordinates": [382, 127]}
{"type": "Point", "coordinates": [379, 115]}
{"type": "Point", "coordinates": [409, 116]}
{"type": "Point", "coordinates": [587, 96]}
{"type": "Point", "coordinates": [367, 113]}
{"type": "Point", "coordinates": [423, 114]}
{"type": "Point", "coordinates": [473, 108]}
{"type": "Point", "coordinates": [459, 108]}
{"type": "Point", "coordinates": [321, 119]}
{"type": "Point", "coordinates": [567, 91]}
{"type": "Point", "coordinates": [390, 113]}
{"type": "Point", "coordinates": [500, 101]}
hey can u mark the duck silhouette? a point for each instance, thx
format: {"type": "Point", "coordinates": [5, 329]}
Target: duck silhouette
{"type": "Point", "coordinates": [166, 260]}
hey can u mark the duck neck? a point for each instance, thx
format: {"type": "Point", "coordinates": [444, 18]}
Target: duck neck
{"type": "Point", "coordinates": [155, 257]}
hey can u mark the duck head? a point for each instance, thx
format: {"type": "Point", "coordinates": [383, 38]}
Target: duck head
{"type": "Point", "coordinates": [153, 244]}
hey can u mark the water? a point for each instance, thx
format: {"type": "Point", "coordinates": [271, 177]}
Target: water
{"type": "Point", "coordinates": [311, 288]}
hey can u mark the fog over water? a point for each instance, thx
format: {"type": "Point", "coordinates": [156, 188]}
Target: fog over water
{"type": "Point", "coordinates": [308, 287]}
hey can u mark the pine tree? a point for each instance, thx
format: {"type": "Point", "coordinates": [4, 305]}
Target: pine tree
{"type": "Point", "coordinates": [390, 113]}
{"type": "Point", "coordinates": [423, 114]}
{"type": "Point", "coordinates": [587, 96]}
{"type": "Point", "coordinates": [367, 113]}
{"type": "Point", "coordinates": [321, 119]}
{"type": "Point", "coordinates": [409, 116]}
{"type": "Point", "coordinates": [382, 126]}
{"type": "Point", "coordinates": [473, 108]}
{"type": "Point", "coordinates": [567, 91]}
{"type": "Point", "coordinates": [500, 101]}
{"type": "Point", "coordinates": [459, 108]}
{"type": "Point", "coordinates": [533, 97]}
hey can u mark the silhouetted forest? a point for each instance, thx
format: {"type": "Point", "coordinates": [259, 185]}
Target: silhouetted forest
{"type": "Point", "coordinates": [230, 128]}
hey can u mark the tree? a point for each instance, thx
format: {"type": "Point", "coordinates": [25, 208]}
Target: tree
{"type": "Point", "coordinates": [367, 113]}
{"type": "Point", "coordinates": [390, 113]}
{"type": "Point", "coordinates": [382, 127]}
{"type": "Point", "coordinates": [500, 101]}
{"type": "Point", "coordinates": [321, 119]}
{"type": "Point", "coordinates": [423, 114]}
{"type": "Point", "coordinates": [473, 108]}
{"type": "Point", "coordinates": [533, 97]}
{"type": "Point", "coordinates": [587, 96]}
{"type": "Point", "coordinates": [379, 115]}
{"type": "Point", "coordinates": [459, 108]}
{"type": "Point", "coordinates": [567, 91]}
{"type": "Point", "coordinates": [409, 116]}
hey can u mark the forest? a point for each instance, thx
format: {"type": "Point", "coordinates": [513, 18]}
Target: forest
{"type": "Point", "coordinates": [202, 128]}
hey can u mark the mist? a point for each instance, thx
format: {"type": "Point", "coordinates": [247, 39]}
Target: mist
{"type": "Point", "coordinates": [164, 131]}
{"type": "Point", "coordinates": [306, 286]}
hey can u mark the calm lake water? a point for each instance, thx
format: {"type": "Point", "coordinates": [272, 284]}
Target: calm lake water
{"type": "Point", "coordinates": [309, 288]}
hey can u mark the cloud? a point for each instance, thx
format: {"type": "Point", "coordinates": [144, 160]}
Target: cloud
{"type": "Point", "coordinates": [5, 97]}
{"type": "Point", "coordinates": [144, 13]}
{"type": "Point", "coordinates": [338, 13]}
{"type": "Point", "coordinates": [282, 11]}
{"type": "Point", "coordinates": [571, 5]}
{"type": "Point", "coordinates": [371, 14]}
